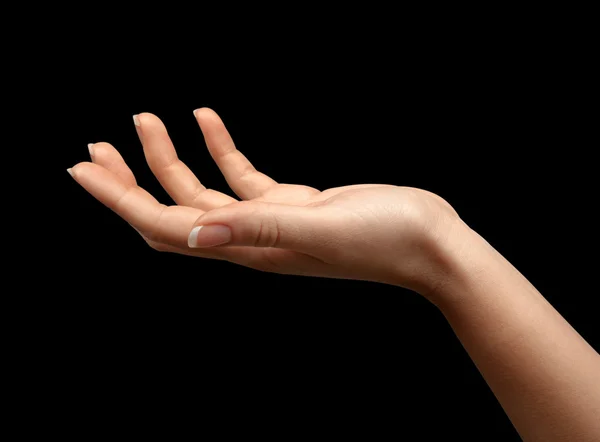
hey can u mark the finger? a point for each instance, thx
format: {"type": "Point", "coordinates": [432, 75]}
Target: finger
{"type": "Point", "coordinates": [231, 254]}
{"type": "Point", "coordinates": [238, 255]}
{"type": "Point", "coordinates": [241, 176]}
{"type": "Point", "coordinates": [176, 178]}
{"type": "Point", "coordinates": [107, 156]}
{"type": "Point", "coordinates": [259, 224]}
{"type": "Point", "coordinates": [157, 222]}
{"type": "Point", "coordinates": [264, 259]}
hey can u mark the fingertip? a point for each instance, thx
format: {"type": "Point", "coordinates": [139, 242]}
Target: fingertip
{"type": "Point", "coordinates": [100, 149]}
{"type": "Point", "coordinates": [83, 164]}
{"type": "Point", "coordinates": [202, 110]}
{"type": "Point", "coordinates": [144, 115]}
{"type": "Point", "coordinates": [75, 170]}
{"type": "Point", "coordinates": [78, 168]}
{"type": "Point", "coordinates": [148, 121]}
{"type": "Point", "coordinates": [205, 113]}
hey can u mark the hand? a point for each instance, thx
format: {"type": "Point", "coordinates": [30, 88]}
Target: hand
{"type": "Point", "coordinates": [373, 232]}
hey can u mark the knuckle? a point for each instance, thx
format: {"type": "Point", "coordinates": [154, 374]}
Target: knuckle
{"type": "Point", "coordinates": [246, 172]}
{"type": "Point", "coordinates": [120, 203]}
{"type": "Point", "coordinates": [199, 193]}
{"type": "Point", "coordinates": [269, 233]}
{"type": "Point", "coordinates": [156, 233]}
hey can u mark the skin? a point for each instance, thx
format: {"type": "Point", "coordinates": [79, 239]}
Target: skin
{"type": "Point", "coordinates": [545, 375]}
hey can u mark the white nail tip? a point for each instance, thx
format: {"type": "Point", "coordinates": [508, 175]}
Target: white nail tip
{"type": "Point", "coordinates": [71, 173]}
{"type": "Point", "coordinates": [193, 238]}
{"type": "Point", "coordinates": [91, 149]}
{"type": "Point", "coordinates": [136, 120]}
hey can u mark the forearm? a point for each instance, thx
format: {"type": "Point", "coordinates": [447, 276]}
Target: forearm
{"type": "Point", "coordinates": [544, 374]}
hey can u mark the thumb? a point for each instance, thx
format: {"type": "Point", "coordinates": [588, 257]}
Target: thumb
{"type": "Point", "coordinates": [259, 224]}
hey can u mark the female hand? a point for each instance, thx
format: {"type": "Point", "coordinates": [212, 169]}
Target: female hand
{"type": "Point", "coordinates": [385, 233]}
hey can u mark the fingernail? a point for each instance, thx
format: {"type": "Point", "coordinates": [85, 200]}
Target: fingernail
{"type": "Point", "coordinates": [209, 236]}
{"type": "Point", "coordinates": [91, 149]}
{"type": "Point", "coordinates": [138, 128]}
{"type": "Point", "coordinates": [70, 170]}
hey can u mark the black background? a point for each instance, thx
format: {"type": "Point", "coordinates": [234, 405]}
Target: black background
{"type": "Point", "coordinates": [492, 127]}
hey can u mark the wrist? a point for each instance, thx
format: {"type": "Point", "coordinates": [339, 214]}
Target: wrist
{"type": "Point", "coordinates": [452, 256]}
{"type": "Point", "coordinates": [466, 264]}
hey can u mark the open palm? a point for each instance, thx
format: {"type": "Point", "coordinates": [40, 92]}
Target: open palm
{"type": "Point", "coordinates": [329, 220]}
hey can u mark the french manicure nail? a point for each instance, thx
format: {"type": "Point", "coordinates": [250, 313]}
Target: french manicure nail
{"type": "Point", "coordinates": [138, 128]}
{"type": "Point", "coordinates": [209, 236]}
{"type": "Point", "coordinates": [70, 170]}
{"type": "Point", "coordinates": [91, 149]}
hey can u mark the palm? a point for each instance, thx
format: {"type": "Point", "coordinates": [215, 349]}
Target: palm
{"type": "Point", "coordinates": [298, 195]}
